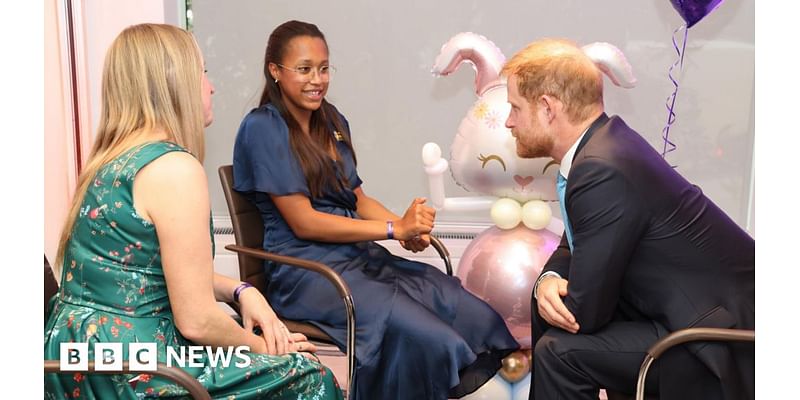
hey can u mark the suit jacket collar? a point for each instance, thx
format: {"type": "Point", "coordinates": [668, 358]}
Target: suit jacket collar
{"type": "Point", "coordinates": [600, 121]}
{"type": "Point", "coordinates": [566, 162]}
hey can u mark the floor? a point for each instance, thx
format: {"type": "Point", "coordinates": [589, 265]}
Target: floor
{"type": "Point", "coordinates": [337, 362]}
{"type": "Point", "coordinates": [332, 358]}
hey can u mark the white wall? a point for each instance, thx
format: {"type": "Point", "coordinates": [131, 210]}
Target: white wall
{"type": "Point", "coordinates": [384, 53]}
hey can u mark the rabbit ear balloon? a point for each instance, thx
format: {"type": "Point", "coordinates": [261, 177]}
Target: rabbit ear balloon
{"type": "Point", "coordinates": [485, 57]}
{"type": "Point", "coordinates": [609, 59]}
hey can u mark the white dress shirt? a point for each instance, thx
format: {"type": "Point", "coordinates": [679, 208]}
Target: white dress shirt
{"type": "Point", "coordinates": [566, 165]}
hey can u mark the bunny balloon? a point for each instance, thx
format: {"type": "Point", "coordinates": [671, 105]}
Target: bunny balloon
{"type": "Point", "coordinates": [483, 153]}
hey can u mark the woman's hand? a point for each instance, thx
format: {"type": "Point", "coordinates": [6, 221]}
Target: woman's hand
{"type": "Point", "coordinates": [300, 344]}
{"type": "Point", "coordinates": [256, 312]}
{"type": "Point", "coordinates": [417, 243]}
{"type": "Point", "coordinates": [303, 346]}
{"type": "Point", "coordinates": [417, 221]}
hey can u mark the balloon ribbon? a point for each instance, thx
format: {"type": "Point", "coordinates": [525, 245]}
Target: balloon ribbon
{"type": "Point", "coordinates": [669, 146]}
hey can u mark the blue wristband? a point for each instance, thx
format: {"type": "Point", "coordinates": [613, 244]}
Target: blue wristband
{"type": "Point", "coordinates": [239, 289]}
{"type": "Point", "coordinates": [390, 229]}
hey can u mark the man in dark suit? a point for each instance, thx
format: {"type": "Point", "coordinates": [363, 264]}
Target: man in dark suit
{"type": "Point", "coordinates": [644, 252]}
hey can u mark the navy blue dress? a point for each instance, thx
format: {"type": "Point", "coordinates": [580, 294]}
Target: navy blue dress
{"type": "Point", "coordinates": [419, 333]}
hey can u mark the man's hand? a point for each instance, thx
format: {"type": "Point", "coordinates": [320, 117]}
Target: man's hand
{"type": "Point", "coordinates": [551, 307]}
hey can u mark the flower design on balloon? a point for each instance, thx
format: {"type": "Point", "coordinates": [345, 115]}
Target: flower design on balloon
{"type": "Point", "coordinates": [493, 120]}
{"type": "Point", "coordinates": [480, 110]}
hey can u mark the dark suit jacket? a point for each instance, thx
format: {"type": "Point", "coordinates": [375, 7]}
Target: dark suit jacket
{"type": "Point", "coordinates": [647, 240]}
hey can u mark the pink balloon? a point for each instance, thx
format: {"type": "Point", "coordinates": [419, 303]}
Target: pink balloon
{"type": "Point", "coordinates": [501, 266]}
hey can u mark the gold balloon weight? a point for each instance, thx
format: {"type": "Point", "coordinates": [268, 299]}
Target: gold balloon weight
{"type": "Point", "coordinates": [515, 366]}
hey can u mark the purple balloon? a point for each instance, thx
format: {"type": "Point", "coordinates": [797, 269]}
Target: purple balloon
{"type": "Point", "coordinates": [692, 11]}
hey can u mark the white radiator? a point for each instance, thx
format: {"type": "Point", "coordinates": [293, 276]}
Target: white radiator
{"type": "Point", "coordinates": [456, 237]}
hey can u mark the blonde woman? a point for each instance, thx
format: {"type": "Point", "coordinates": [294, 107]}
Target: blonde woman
{"type": "Point", "coordinates": [135, 256]}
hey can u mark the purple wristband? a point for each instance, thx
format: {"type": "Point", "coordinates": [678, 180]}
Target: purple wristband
{"type": "Point", "coordinates": [390, 229]}
{"type": "Point", "coordinates": [239, 289]}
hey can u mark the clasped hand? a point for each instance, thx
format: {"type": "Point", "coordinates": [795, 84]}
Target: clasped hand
{"type": "Point", "coordinates": [551, 306]}
{"type": "Point", "coordinates": [413, 230]}
{"type": "Point", "coordinates": [256, 312]}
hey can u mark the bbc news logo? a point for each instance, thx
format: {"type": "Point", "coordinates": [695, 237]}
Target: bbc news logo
{"type": "Point", "coordinates": [143, 356]}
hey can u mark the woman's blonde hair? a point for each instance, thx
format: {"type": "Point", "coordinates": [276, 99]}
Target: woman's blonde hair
{"type": "Point", "coordinates": [558, 68]}
{"type": "Point", "coordinates": [151, 83]}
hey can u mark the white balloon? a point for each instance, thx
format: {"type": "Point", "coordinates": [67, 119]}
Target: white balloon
{"type": "Point", "coordinates": [473, 203]}
{"type": "Point", "coordinates": [431, 153]}
{"type": "Point", "coordinates": [521, 389]}
{"type": "Point", "coordinates": [494, 389]}
{"type": "Point", "coordinates": [536, 214]}
{"type": "Point", "coordinates": [506, 213]}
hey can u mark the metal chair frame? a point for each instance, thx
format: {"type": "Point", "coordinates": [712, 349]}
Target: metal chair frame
{"type": "Point", "coordinates": [177, 375]}
{"type": "Point", "coordinates": [684, 336]}
{"type": "Point", "coordinates": [248, 233]}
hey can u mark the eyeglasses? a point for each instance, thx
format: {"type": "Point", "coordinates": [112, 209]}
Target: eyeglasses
{"type": "Point", "coordinates": [305, 71]}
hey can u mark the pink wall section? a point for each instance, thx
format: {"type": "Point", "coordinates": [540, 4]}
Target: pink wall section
{"type": "Point", "coordinates": [96, 24]}
{"type": "Point", "coordinates": [59, 161]}
{"type": "Point", "coordinates": [102, 21]}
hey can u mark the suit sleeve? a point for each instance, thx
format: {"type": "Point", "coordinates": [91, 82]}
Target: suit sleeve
{"type": "Point", "coordinates": [560, 259]}
{"type": "Point", "coordinates": [608, 219]}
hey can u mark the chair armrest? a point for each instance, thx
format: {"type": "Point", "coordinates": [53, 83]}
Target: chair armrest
{"type": "Point", "coordinates": [688, 335]}
{"type": "Point", "coordinates": [326, 271]}
{"type": "Point", "coordinates": [443, 253]}
{"type": "Point", "coordinates": [700, 334]}
{"type": "Point", "coordinates": [330, 275]}
{"type": "Point", "coordinates": [177, 375]}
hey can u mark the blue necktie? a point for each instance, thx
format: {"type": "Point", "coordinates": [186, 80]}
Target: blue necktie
{"type": "Point", "coordinates": [561, 188]}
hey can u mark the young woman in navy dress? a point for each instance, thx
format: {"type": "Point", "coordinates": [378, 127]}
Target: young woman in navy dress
{"type": "Point", "coordinates": [420, 334]}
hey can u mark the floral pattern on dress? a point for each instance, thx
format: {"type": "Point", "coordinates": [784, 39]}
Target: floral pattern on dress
{"type": "Point", "coordinates": [113, 290]}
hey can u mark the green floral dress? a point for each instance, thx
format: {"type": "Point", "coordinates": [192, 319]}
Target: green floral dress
{"type": "Point", "coordinates": [113, 290]}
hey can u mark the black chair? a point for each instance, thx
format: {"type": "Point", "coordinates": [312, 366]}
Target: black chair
{"type": "Point", "coordinates": [177, 375]}
{"type": "Point", "coordinates": [248, 232]}
{"type": "Point", "coordinates": [674, 339]}
{"type": "Point", "coordinates": [688, 335]}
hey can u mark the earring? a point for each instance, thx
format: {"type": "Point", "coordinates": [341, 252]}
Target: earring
{"type": "Point", "coordinates": [276, 80]}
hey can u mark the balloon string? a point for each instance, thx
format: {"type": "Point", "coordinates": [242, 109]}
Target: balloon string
{"type": "Point", "coordinates": [669, 146]}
